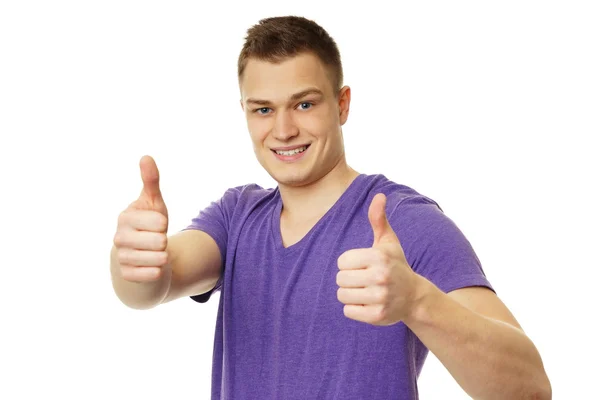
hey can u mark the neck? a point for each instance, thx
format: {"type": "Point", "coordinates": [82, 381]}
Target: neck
{"type": "Point", "coordinates": [314, 199]}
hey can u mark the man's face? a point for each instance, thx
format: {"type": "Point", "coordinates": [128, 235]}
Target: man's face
{"type": "Point", "coordinates": [291, 107]}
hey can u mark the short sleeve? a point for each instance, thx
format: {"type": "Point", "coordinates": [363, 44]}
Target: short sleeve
{"type": "Point", "coordinates": [435, 247]}
{"type": "Point", "coordinates": [215, 220]}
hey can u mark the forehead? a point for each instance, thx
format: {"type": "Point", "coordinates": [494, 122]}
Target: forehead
{"type": "Point", "coordinates": [277, 81]}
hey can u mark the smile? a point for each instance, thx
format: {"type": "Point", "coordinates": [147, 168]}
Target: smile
{"type": "Point", "coordinates": [291, 152]}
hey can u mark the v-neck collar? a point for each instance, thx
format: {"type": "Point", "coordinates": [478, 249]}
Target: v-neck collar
{"type": "Point", "coordinates": [276, 219]}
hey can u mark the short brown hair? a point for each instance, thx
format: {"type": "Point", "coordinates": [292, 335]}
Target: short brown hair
{"type": "Point", "coordinates": [275, 39]}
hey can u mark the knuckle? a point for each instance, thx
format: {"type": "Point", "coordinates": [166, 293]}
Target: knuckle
{"type": "Point", "coordinates": [122, 219]}
{"type": "Point", "coordinates": [129, 274]}
{"type": "Point", "coordinates": [346, 311]}
{"type": "Point", "coordinates": [338, 278]}
{"type": "Point", "coordinates": [121, 239]}
{"type": "Point", "coordinates": [382, 277]}
{"type": "Point", "coordinates": [123, 257]}
{"type": "Point", "coordinates": [152, 275]}
{"type": "Point", "coordinates": [158, 274]}
{"type": "Point", "coordinates": [339, 294]}
{"type": "Point", "coordinates": [163, 257]}
{"type": "Point", "coordinates": [162, 222]}
{"type": "Point", "coordinates": [383, 295]}
{"type": "Point", "coordinates": [379, 314]}
{"type": "Point", "coordinates": [118, 239]}
{"type": "Point", "coordinates": [162, 242]}
{"type": "Point", "coordinates": [341, 261]}
{"type": "Point", "coordinates": [125, 273]}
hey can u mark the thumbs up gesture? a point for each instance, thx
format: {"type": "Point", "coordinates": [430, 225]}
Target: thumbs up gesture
{"type": "Point", "coordinates": [376, 284]}
{"type": "Point", "coordinates": [151, 198]}
{"type": "Point", "coordinates": [141, 237]}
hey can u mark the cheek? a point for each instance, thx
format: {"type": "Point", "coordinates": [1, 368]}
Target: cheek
{"type": "Point", "coordinates": [323, 127]}
{"type": "Point", "coordinates": [315, 124]}
{"type": "Point", "coordinates": [259, 130]}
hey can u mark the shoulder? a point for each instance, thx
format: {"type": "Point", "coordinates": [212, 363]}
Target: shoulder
{"type": "Point", "coordinates": [399, 197]}
{"type": "Point", "coordinates": [246, 195]}
{"type": "Point", "coordinates": [250, 192]}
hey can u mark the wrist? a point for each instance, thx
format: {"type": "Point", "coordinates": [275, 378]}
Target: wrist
{"type": "Point", "coordinates": [424, 298]}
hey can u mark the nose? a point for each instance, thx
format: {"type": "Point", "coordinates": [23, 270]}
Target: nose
{"type": "Point", "coordinates": [284, 128]}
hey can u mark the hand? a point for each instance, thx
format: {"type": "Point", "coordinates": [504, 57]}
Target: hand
{"type": "Point", "coordinates": [376, 284]}
{"type": "Point", "coordinates": [141, 238]}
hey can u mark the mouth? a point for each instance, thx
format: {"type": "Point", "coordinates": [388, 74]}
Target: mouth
{"type": "Point", "coordinates": [291, 152]}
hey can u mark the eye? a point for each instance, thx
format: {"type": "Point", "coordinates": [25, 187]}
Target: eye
{"type": "Point", "coordinates": [261, 111]}
{"type": "Point", "coordinates": [306, 104]}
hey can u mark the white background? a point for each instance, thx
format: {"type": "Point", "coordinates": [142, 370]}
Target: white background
{"type": "Point", "coordinates": [490, 108]}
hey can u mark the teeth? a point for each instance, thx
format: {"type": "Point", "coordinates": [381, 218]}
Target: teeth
{"type": "Point", "coordinates": [291, 152]}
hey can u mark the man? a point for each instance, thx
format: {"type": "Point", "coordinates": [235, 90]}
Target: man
{"type": "Point", "coordinates": [335, 284]}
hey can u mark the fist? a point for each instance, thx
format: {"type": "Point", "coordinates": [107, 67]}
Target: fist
{"type": "Point", "coordinates": [141, 237]}
{"type": "Point", "coordinates": [376, 284]}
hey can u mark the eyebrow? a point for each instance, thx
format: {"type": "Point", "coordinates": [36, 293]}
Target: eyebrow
{"type": "Point", "coordinates": [295, 96]}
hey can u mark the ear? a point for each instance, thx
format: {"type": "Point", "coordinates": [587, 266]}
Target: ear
{"type": "Point", "coordinates": [344, 104]}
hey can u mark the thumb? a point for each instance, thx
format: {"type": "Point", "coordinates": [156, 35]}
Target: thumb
{"type": "Point", "coordinates": [150, 178]}
{"type": "Point", "coordinates": [382, 230]}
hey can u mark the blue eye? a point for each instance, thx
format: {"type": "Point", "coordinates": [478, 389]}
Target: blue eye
{"type": "Point", "coordinates": [306, 103]}
{"type": "Point", "coordinates": [258, 110]}
{"type": "Point", "coordinates": [265, 110]}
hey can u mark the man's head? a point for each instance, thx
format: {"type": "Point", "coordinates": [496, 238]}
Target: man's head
{"type": "Point", "coordinates": [290, 77]}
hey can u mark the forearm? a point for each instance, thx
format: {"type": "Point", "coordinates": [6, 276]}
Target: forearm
{"type": "Point", "coordinates": [489, 359]}
{"type": "Point", "coordinates": [138, 295]}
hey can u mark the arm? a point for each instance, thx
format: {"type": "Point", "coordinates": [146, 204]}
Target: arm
{"type": "Point", "coordinates": [197, 265]}
{"type": "Point", "coordinates": [472, 333]}
{"type": "Point", "coordinates": [479, 342]}
{"type": "Point", "coordinates": [193, 267]}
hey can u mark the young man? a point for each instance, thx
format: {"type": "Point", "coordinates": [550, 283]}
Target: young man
{"type": "Point", "coordinates": [335, 284]}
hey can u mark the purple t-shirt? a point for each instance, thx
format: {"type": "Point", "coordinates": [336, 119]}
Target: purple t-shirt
{"type": "Point", "coordinates": [281, 332]}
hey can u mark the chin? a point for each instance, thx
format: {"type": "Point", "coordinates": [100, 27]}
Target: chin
{"type": "Point", "coordinates": [291, 178]}
{"type": "Point", "coordinates": [294, 175]}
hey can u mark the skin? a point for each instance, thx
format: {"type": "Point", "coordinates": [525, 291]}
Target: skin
{"type": "Point", "coordinates": [488, 354]}
{"type": "Point", "coordinates": [275, 119]}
